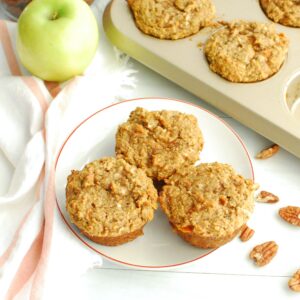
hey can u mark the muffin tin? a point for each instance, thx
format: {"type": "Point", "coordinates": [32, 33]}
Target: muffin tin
{"type": "Point", "coordinates": [270, 107]}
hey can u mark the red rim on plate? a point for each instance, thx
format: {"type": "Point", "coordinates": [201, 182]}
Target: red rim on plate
{"type": "Point", "coordinates": [120, 103]}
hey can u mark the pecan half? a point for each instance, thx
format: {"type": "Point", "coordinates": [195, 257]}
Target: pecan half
{"type": "Point", "coordinates": [246, 233]}
{"type": "Point", "coordinates": [294, 282]}
{"type": "Point", "coordinates": [267, 153]}
{"type": "Point", "coordinates": [291, 214]}
{"type": "Point", "coordinates": [266, 197]}
{"type": "Point", "coordinates": [262, 254]}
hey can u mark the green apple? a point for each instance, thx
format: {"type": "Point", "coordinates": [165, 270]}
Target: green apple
{"type": "Point", "coordinates": [57, 39]}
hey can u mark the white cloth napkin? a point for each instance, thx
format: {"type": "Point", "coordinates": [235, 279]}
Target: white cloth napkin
{"type": "Point", "coordinates": [39, 256]}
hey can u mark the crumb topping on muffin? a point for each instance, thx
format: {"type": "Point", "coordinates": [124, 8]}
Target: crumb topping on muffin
{"type": "Point", "coordinates": [211, 200]}
{"type": "Point", "coordinates": [110, 197]}
{"type": "Point", "coordinates": [172, 19]}
{"type": "Point", "coordinates": [159, 142]}
{"type": "Point", "coordinates": [246, 51]}
{"type": "Point", "coordinates": [285, 12]}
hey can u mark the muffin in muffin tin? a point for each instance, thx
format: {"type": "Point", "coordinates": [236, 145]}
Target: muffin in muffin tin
{"type": "Point", "coordinates": [285, 12]}
{"type": "Point", "coordinates": [246, 51]}
{"type": "Point", "coordinates": [172, 19]}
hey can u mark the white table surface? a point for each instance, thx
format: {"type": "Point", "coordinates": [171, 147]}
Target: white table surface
{"type": "Point", "coordinates": [226, 273]}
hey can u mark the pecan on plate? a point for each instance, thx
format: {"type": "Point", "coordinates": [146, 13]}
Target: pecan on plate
{"type": "Point", "coordinates": [291, 214]}
{"type": "Point", "coordinates": [262, 254]}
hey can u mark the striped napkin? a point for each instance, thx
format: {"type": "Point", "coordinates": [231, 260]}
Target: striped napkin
{"type": "Point", "coordinates": [39, 257]}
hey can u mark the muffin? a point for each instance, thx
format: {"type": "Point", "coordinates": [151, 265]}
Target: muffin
{"type": "Point", "coordinates": [159, 142]}
{"type": "Point", "coordinates": [110, 201]}
{"type": "Point", "coordinates": [172, 19]}
{"type": "Point", "coordinates": [285, 12]}
{"type": "Point", "coordinates": [207, 205]}
{"type": "Point", "coordinates": [246, 51]}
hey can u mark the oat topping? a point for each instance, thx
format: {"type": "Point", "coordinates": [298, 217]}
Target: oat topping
{"type": "Point", "coordinates": [246, 51]}
{"type": "Point", "coordinates": [210, 199]}
{"type": "Point", "coordinates": [285, 12]}
{"type": "Point", "coordinates": [172, 19]}
{"type": "Point", "coordinates": [159, 142]}
{"type": "Point", "coordinates": [109, 197]}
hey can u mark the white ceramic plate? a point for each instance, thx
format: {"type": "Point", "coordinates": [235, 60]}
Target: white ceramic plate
{"type": "Point", "coordinates": [95, 138]}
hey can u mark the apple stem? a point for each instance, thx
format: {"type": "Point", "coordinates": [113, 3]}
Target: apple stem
{"type": "Point", "coordinates": [54, 16]}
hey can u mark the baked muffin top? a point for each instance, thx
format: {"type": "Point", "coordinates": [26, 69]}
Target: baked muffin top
{"type": "Point", "coordinates": [159, 142]}
{"type": "Point", "coordinates": [246, 51]}
{"type": "Point", "coordinates": [172, 19]}
{"type": "Point", "coordinates": [110, 197]}
{"type": "Point", "coordinates": [285, 12]}
{"type": "Point", "coordinates": [211, 200]}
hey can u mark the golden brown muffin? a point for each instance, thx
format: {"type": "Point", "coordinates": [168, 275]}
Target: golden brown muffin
{"type": "Point", "coordinates": [159, 142]}
{"type": "Point", "coordinates": [285, 12]}
{"type": "Point", "coordinates": [172, 19]}
{"type": "Point", "coordinates": [110, 201]}
{"type": "Point", "coordinates": [208, 204]}
{"type": "Point", "coordinates": [246, 51]}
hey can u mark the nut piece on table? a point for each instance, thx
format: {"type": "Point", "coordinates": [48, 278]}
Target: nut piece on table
{"type": "Point", "coordinates": [267, 153]}
{"type": "Point", "coordinates": [246, 233]}
{"type": "Point", "coordinates": [291, 214]}
{"type": "Point", "coordinates": [262, 254]}
{"type": "Point", "coordinates": [294, 282]}
{"type": "Point", "coordinates": [266, 197]}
